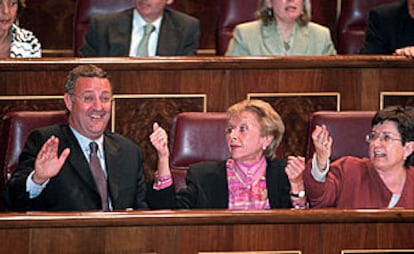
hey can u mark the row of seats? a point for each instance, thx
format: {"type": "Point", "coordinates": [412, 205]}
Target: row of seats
{"type": "Point", "coordinates": [194, 137]}
{"type": "Point", "coordinates": [348, 29]}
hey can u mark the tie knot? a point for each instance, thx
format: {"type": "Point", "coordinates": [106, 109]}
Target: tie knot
{"type": "Point", "coordinates": [148, 29]}
{"type": "Point", "coordinates": [93, 146]}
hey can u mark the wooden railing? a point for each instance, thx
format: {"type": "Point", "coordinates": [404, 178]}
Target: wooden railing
{"type": "Point", "coordinates": [184, 232]}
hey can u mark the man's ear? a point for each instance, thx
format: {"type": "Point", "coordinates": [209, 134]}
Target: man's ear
{"type": "Point", "coordinates": [68, 101]}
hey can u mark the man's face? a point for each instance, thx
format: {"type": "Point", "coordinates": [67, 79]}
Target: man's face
{"type": "Point", "coordinates": [90, 106]}
{"type": "Point", "coordinates": [151, 10]}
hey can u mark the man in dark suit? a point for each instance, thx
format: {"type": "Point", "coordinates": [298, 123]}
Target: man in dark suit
{"type": "Point", "coordinates": [390, 29]}
{"type": "Point", "coordinates": [119, 34]}
{"type": "Point", "coordinates": [54, 173]}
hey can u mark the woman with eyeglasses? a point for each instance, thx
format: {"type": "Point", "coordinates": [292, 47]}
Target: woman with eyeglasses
{"type": "Point", "coordinates": [384, 180]}
{"type": "Point", "coordinates": [253, 178]}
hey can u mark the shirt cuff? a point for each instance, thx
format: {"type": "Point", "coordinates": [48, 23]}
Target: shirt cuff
{"type": "Point", "coordinates": [162, 182]}
{"type": "Point", "coordinates": [316, 172]}
{"type": "Point", "coordinates": [33, 188]}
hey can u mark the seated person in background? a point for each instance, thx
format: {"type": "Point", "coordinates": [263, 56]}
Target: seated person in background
{"type": "Point", "coordinates": [283, 29]}
{"type": "Point", "coordinates": [79, 166]}
{"type": "Point", "coordinates": [384, 180]}
{"type": "Point", "coordinates": [151, 29]}
{"type": "Point", "coordinates": [251, 179]}
{"type": "Point", "coordinates": [390, 29]}
{"type": "Point", "coordinates": [15, 41]}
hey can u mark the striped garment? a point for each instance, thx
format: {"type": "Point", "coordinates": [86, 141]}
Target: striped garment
{"type": "Point", "coordinates": [247, 185]}
{"type": "Point", "coordinates": [24, 43]}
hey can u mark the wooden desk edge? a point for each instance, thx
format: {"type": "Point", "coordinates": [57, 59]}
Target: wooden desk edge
{"type": "Point", "coordinates": [203, 217]}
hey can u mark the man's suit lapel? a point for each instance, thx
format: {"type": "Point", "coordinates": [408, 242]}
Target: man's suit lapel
{"type": "Point", "coordinates": [77, 159]}
{"type": "Point", "coordinates": [167, 39]}
{"type": "Point", "coordinates": [122, 34]}
{"type": "Point", "coordinates": [112, 151]}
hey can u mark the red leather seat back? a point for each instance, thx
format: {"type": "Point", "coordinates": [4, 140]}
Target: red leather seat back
{"type": "Point", "coordinates": [348, 130]}
{"type": "Point", "coordinates": [352, 24]}
{"type": "Point", "coordinates": [195, 137]}
{"type": "Point", "coordinates": [17, 127]}
{"type": "Point", "coordinates": [324, 12]}
{"type": "Point", "coordinates": [232, 13]}
{"type": "Point", "coordinates": [85, 9]}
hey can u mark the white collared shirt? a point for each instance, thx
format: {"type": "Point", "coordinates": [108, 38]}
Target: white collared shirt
{"type": "Point", "coordinates": [137, 33]}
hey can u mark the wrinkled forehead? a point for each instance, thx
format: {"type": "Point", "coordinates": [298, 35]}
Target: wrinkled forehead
{"type": "Point", "coordinates": [92, 84]}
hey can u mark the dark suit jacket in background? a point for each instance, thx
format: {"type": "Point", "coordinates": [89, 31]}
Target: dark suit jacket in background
{"type": "Point", "coordinates": [110, 35]}
{"type": "Point", "coordinates": [207, 188]}
{"type": "Point", "coordinates": [390, 27]}
{"type": "Point", "coordinates": [74, 188]}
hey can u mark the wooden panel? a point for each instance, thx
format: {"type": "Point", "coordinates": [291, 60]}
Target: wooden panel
{"type": "Point", "coordinates": [295, 110]}
{"type": "Point", "coordinates": [15, 241]}
{"type": "Point", "coordinates": [251, 237]}
{"type": "Point", "coordinates": [369, 236]}
{"type": "Point", "coordinates": [135, 114]}
{"type": "Point", "coordinates": [323, 231]}
{"type": "Point", "coordinates": [405, 99]}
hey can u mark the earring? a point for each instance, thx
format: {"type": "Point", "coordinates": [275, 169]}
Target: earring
{"type": "Point", "coordinates": [269, 12]}
{"type": "Point", "coordinates": [264, 147]}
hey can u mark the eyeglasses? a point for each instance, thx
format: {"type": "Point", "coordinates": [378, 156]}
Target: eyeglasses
{"type": "Point", "coordinates": [383, 137]}
{"type": "Point", "coordinates": [241, 129]}
{"type": "Point", "coordinates": [90, 99]}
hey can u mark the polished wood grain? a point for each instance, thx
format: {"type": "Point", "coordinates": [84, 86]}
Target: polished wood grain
{"type": "Point", "coordinates": [295, 86]}
{"type": "Point", "coordinates": [310, 231]}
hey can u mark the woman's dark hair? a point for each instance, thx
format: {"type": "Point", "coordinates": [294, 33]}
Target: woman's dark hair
{"type": "Point", "coordinates": [404, 121]}
{"type": "Point", "coordinates": [21, 4]}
